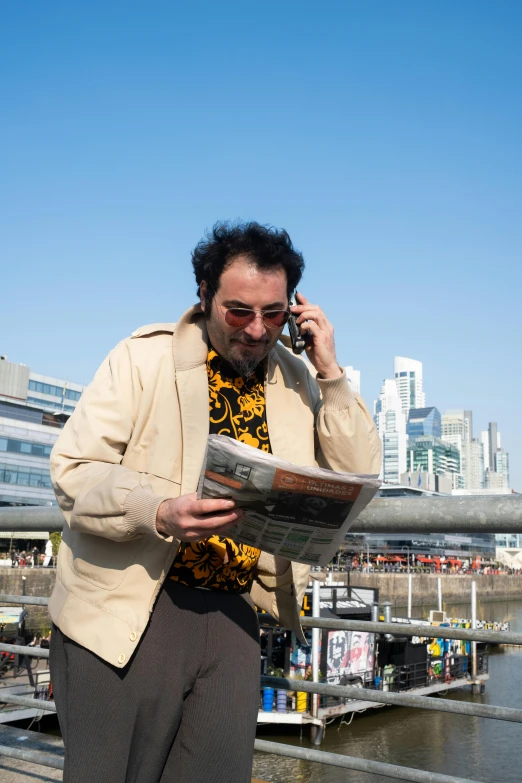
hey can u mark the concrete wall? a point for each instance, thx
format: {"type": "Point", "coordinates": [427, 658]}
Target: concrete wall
{"type": "Point", "coordinates": [394, 587]}
{"type": "Point", "coordinates": [38, 581]}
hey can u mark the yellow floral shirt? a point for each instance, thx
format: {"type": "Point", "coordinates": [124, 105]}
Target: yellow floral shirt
{"type": "Point", "coordinates": [237, 409]}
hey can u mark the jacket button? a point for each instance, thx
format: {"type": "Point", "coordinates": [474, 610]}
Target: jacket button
{"type": "Point", "coordinates": [121, 658]}
{"type": "Point", "coordinates": [133, 636]}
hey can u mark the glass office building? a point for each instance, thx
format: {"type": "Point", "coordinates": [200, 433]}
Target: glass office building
{"type": "Point", "coordinates": [431, 455]}
{"type": "Point", "coordinates": [424, 421]}
{"type": "Point", "coordinates": [33, 409]}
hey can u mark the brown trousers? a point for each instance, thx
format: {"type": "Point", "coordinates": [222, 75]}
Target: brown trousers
{"type": "Point", "coordinates": [183, 711]}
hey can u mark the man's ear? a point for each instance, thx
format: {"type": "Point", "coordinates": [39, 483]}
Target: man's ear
{"type": "Point", "coordinates": [202, 294]}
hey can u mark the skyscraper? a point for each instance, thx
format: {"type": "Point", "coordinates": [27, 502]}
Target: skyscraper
{"type": "Point", "coordinates": [484, 437]}
{"type": "Point", "coordinates": [457, 429]}
{"type": "Point", "coordinates": [502, 466]}
{"type": "Point", "coordinates": [408, 377]}
{"type": "Point", "coordinates": [390, 421]}
{"type": "Point", "coordinates": [432, 455]}
{"type": "Point", "coordinates": [475, 477]}
{"type": "Point", "coordinates": [423, 421]}
{"type": "Point", "coordinates": [492, 441]}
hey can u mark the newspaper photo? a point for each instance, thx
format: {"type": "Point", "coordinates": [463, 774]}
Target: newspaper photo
{"type": "Point", "coordinates": [301, 513]}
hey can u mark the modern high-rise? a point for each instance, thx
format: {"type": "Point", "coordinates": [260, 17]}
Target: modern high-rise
{"type": "Point", "coordinates": [428, 454]}
{"type": "Point", "coordinates": [407, 374]}
{"type": "Point", "coordinates": [484, 438]}
{"type": "Point", "coordinates": [423, 421]}
{"type": "Point", "coordinates": [457, 429]}
{"type": "Point", "coordinates": [496, 459]}
{"type": "Point", "coordinates": [390, 421]}
{"type": "Point", "coordinates": [502, 466]}
{"type": "Point", "coordinates": [458, 422]}
{"type": "Point", "coordinates": [354, 379]}
{"type": "Point", "coordinates": [492, 442]}
{"type": "Point", "coordinates": [475, 476]}
{"type": "Point", "coordinates": [33, 409]}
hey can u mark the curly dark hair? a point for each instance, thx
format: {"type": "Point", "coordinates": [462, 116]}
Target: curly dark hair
{"type": "Point", "coordinates": [265, 246]}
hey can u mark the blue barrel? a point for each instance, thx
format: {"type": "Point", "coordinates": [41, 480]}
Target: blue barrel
{"type": "Point", "coordinates": [268, 699]}
{"type": "Point", "coordinates": [281, 701]}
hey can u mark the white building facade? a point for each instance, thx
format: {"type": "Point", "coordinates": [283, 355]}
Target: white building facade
{"type": "Point", "coordinates": [407, 374]}
{"type": "Point", "coordinates": [390, 421]}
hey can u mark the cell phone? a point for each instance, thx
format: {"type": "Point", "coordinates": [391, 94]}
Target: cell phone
{"type": "Point", "coordinates": [299, 341]}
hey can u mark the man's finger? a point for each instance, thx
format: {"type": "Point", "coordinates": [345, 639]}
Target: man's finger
{"type": "Point", "coordinates": [210, 506]}
{"type": "Point", "coordinates": [215, 525]}
{"type": "Point", "coordinates": [223, 518]}
{"type": "Point", "coordinates": [301, 298]}
{"type": "Point", "coordinates": [314, 316]}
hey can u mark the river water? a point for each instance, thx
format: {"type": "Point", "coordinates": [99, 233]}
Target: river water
{"type": "Point", "coordinates": [467, 747]}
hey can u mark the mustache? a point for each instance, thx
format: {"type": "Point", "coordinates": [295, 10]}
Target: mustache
{"type": "Point", "coordinates": [249, 341]}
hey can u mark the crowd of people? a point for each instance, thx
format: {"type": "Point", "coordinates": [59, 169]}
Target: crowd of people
{"type": "Point", "coordinates": [33, 558]}
{"type": "Point", "coordinates": [451, 567]}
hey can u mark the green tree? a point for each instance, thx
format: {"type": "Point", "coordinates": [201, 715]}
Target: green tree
{"type": "Point", "coordinates": [56, 539]}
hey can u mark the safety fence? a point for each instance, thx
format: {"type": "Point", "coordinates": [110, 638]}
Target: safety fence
{"type": "Point", "coordinates": [408, 515]}
{"type": "Point", "coordinates": [51, 756]}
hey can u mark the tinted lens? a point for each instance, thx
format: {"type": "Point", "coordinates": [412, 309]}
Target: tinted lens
{"type": "Point", "coordinates": [238, 316]}
{"type": "Point", "coordinates": [275, 317]}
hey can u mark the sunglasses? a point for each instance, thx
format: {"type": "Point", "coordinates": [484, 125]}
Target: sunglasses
{"type": "Point", "coordinates": [240, 317]}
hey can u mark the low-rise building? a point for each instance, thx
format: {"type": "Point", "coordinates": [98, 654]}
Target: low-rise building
{"type": "Point", "coordinates": [33, 409]}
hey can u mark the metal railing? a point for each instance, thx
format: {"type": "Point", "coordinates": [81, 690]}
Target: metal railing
{"type": "Point", "coordinates": [400, 515]}
{"type": "Point", "coordinates": [394, 771]}
{"type": "Point", "coordinates": [473, 514]}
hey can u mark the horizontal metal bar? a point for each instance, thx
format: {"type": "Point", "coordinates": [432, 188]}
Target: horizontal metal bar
{"type": "Point", "coordinates": [27, 701]}
{"type": "Point", "coordinates": [35, 652]}
{"type": "Point", "coordinates": [30, 600]}
{"type": "Point", "coordinates": [467, 514]}
{"type": "Point", "coordinates": [405, 629]}
{"type": "Point", "coordinates": [31, 518]}
{"type": "Point", "coordinates": [428, 514]}
{"type": "Point", "coordinates": [362, 765]}
{"type": "Point", "coordinates": [34, 756]}
{"type": "Point", "coordinates": [398, 629]}
{"type": "Point", "coordinates": [397, 699]}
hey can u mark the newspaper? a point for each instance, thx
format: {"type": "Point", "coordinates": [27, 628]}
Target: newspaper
{"type": "Point", "coordinates": [298, 512]}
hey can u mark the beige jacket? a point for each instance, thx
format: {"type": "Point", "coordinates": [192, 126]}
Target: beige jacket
{"type": "Point", "coordinates": [138, 436]}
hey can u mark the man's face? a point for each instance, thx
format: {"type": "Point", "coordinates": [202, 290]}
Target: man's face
{"type": "Point", "coordinates": [242, 284]}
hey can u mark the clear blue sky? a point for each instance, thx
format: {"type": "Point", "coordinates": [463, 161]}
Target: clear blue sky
{"type": "Point", "coordinates": [384, 136]}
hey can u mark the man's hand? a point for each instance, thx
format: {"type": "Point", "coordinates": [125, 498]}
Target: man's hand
{"type": "Point", "coordinates": [321, 350]}
{"type": "Point", "coordinates": [190, 519]}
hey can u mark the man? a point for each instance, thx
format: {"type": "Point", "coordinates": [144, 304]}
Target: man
{"type": "Point", "coordinates": [155, 654]}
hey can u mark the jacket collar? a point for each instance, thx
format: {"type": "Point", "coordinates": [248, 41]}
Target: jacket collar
{"type": "Point", "coordinates": [190, 341]}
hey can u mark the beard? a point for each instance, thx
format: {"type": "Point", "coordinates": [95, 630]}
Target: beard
{"type": "Point", "coordinates": [243, 364]}
{"type": "Point", "coordinates": [231, 347]}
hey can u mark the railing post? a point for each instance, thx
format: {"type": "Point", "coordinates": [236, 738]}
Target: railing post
{"type": "Point", "coordinates": [316, 732]}
{"type": "Point", "coordinates": [316, 611]}
{"type": "Point", "coordinates": [409, 592]}
{"type": "Point", "coordinates": [439, 588]}
{"type": "Point", "coordinates": [475, 686]}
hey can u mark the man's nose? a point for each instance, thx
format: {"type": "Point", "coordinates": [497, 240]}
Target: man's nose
{"type": "Point", "coordinates": [257, 329]}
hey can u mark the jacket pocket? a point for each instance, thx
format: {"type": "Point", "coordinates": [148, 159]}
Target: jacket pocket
{"type": "Point", "coordinates": [100, 561]}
